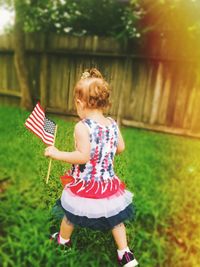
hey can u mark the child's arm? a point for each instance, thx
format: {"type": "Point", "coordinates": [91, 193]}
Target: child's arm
{"type": "Point", "coordinates": [82, 153]}
{"type": "Point", "coordinates": [121, 144]}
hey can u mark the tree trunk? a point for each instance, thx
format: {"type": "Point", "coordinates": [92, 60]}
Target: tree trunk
{"type": "Point", "coordinates": [20, 56]}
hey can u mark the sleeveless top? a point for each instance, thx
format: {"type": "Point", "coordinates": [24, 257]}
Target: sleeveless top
{"type": "Point", "coordinates": [96, 178]}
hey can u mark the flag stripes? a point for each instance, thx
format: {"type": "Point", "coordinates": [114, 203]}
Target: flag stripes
{"type": "Point", "coordinates": [40, 125]}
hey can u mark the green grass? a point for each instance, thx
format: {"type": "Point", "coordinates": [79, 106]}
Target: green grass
{"type": "Point", "coordinates": [162, 170]}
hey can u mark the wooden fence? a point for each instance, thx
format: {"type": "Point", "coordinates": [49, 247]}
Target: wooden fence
{"type": "Point", "coordinates": [158, 92]}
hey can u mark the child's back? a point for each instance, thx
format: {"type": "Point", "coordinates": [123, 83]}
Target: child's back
{"type": "Point", "coordinates": [96, 178]}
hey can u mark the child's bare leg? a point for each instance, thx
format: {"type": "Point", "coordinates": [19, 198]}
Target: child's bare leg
{"type": "Point", "coordinates": [66, 228]}
{"type": "Point", "coordinates": [119, 234]}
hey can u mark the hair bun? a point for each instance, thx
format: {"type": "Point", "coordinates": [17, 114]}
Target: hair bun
{"type": "Point", "coordinates": [95, 73]}
{"type": "Point", "coordinates": [91, 73]}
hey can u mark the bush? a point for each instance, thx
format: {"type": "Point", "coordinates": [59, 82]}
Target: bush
{"type": "Point", "coordinates": [86, 17]}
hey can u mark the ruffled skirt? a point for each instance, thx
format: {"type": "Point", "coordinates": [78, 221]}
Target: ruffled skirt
{"type": "Point", "coordinates": [97, 214]}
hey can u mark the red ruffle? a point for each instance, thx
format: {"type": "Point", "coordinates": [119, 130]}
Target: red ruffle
{"type": "Point", "coordinates": [94, 190]}
{"type": "Point", "coordinates": [66, 179]}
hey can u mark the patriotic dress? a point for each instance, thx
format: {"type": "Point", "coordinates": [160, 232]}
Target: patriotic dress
{"type": "Point", "coordinates": [95, 197]}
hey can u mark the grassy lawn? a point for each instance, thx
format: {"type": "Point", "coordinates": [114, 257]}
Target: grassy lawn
{"type": "Point", "coordinates": [162, 170]}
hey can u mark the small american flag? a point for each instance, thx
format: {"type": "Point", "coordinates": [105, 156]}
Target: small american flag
{"type": "Point", "coordinates": [40, 125]}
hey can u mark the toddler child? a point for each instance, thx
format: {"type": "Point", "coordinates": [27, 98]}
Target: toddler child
{"type": "Point", "coordinates": [95, 197]}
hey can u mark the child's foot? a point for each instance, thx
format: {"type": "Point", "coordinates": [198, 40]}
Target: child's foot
{"type": "Point", "coordinates": [56, 237]}
{"type": "Point", "coordinates": [128, 260]}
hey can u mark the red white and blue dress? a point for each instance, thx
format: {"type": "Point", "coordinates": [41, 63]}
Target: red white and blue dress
{"type": "Point", "coordinates": [95, 197]}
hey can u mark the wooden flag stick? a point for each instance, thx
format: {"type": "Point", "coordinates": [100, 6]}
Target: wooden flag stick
{"type": "Point", "coordinates": [49, 168]}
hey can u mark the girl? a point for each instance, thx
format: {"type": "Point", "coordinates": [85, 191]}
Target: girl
{"type": "Point", "coordinates": [95, 197]}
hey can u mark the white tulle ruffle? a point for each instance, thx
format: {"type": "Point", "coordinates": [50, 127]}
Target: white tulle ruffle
{"type": "Point", "coordinates": [95, 208]}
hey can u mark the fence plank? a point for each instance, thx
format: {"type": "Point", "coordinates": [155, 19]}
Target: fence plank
{"type": "Point", "coordinates": [148, 94]}
{"type": "Point", "coordinates": [189, 109]}
{"type": "Point", "coordinates": [157, 95]}
{"type": "Point", "coordinates": [43, 80]}
{"type": "Point", "coordinates": [164, 101]}
{"type": "Point", "coordinates": [11, 93]}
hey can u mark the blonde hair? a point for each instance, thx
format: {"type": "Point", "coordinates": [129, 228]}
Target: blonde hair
{"type": "Point", "coordinates": [93, 90]}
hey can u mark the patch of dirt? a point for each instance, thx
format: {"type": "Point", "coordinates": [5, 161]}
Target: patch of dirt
{"type": "Point", "coordinates": [4, 183]}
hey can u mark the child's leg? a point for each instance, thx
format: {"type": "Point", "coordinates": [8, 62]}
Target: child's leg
{"type": "Point", "coordinates": [125, 256]}
{"type": "Point", "coordinates": [66, 228]}
{"type": "Point", "coordinates": [119, 234]}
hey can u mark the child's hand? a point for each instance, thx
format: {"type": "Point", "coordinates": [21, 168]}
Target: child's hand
{"type": "Point", "coordinates": [51, 152]}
